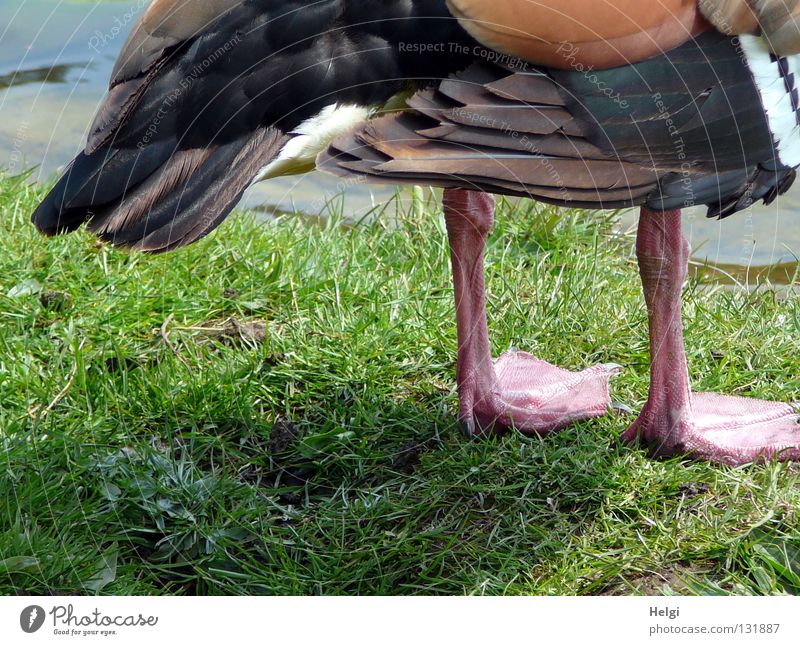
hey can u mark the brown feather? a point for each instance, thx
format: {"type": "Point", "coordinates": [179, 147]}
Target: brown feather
{"type": "Point", "coordinates": [557, 144]}
{"type": "Point", "coordinates": [528, 88]}
{"type": "Point", "coordinates": [165, 24]}
{"type": "Point", "coordinates": [215, 204]}
{"type": "Point", "coordinates": [463, 92]}
{"type": "Point", "coordinates": [537, 120]}
{"type": "Point", "coordinates": [146, 195]}
{"type": "Point", "coordinates": [595, 175]}
{"type": "Point", "coordinates": [731, 17]}
{"type": "Point", "coordinates": [184, 19]}
{"type": "Point", "coordinates": [471, 133]}
{"type": "Point", "coordinates": [780, 22]}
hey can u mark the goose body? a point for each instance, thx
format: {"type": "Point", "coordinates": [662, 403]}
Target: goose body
{"type": "Point", "coordinates": [602, 105]}
{"type": "Point", "coordinates": [206, 97]}
{"type": "Point", "coordinates": [611, 33]}
{"type": "Point", "coordinates": [715, 121]}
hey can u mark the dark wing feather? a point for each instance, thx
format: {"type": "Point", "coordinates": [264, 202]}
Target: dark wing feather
{"type": "Point", "coordinates": [165, 25]}
{"type": "Point", "coordinates": [203, 91]}
{"type": "Point", "coordinates": [190, 197]}
{"type": "Point", "coordinates": [199, 99]}
{"type": "Point", "coordinates": [684, 128]}
{"type": "Point", "coordinates": [141, 153]}
{"type": "Point", "coordinates": [480, 136]}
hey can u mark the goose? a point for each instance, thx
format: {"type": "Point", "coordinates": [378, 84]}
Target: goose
{"type": "Point", "coordinates": [607, 104]}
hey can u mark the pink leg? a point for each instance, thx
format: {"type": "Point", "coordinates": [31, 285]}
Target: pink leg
{"type": "Point", "coordinates": [519, 390]}
{"type": "Point", "coordinates": [724, 429]}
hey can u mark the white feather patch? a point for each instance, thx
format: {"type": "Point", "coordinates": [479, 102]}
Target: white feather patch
{"type": "Point", "coordinates": [775, 98]}
{"type": "Point", "coordinates": [312, 137]}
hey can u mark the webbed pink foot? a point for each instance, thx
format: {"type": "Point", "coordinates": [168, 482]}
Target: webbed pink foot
{"type": "Point", "coordinates": [534, 397]}
{"type": "Point", "coordinates": [519, 390]}
{"type": "Point", "coordinates": [724, 429]}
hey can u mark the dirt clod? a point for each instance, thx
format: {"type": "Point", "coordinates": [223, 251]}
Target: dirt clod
{"type": "Point", "coordinates": [291, 499]}
{"type": "Point", "coordinates": [115, 364]}
{"type": "Point", "coordinates": [56, 300]}
{"type": "Point", "coordinates": [693, 489]}
{"type": "Point", "coordinates": [407, 459]}
{"type": "Point", "coordinates": [672, 579]}
{"type": "Point", "coordinates": [236, 332]}
{"type": "Point", "coordinates": [283, 436]}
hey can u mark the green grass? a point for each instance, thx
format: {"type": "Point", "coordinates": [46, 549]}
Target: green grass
{"type": "Point", "coordinates": [323, 457]}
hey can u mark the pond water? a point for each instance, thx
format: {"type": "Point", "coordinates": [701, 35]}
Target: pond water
{"type": "Point", "coordinates": [55, 59]}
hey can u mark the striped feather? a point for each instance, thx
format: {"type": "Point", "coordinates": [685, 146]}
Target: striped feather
{"type": "Point", "coordinates": [685, 128]}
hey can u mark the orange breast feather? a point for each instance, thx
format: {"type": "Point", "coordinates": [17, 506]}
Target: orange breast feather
{"type": "Point", "coordinates": [564, 34]}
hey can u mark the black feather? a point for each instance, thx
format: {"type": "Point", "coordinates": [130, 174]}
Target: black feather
{"type": "Point", "coordinates": [163, 163]}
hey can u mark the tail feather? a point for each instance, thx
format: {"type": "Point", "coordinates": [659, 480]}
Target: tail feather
{"type": "Point", "coordinates": [152, 201]}
{"type": "Point", "coordinates": [125, 218]}
{"type": "Point", "coordinates": [101, 178]}
{"type": "Point", "coordinates": [96, 179]}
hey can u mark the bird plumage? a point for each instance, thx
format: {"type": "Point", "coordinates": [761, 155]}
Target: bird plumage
{"type": "Point", "coordinates": [684, 128]}
{"type": "Point", "coordinates": [601, 33]}
{"type": "Point", "coordinates": [207, 97]}
{"type": "Point", "coordinates": [203, 99]}
{"type": "Point", "coordinates": [610, 33]}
